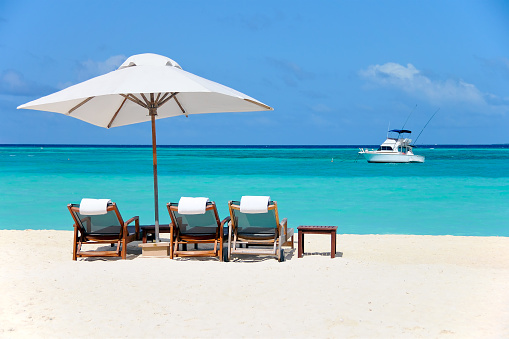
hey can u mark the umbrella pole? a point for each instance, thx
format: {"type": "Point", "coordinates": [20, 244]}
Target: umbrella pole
{"type": "Point", "coordinates": [156, 193]}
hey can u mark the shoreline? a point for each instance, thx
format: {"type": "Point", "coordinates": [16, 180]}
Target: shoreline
{"type": "Point", "coordinates": [295, 230]}
{"type": "Point", "coordinates": [377, 286]}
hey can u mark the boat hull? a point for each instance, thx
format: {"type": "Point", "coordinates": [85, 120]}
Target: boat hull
{"type": "Point", "coordinates": [392, 158]}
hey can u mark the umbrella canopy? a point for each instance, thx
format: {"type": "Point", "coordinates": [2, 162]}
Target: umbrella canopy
{"type": "Point", "coordinates": [114, 99]}
{"type": "Point", "coordinates": [145, 82]}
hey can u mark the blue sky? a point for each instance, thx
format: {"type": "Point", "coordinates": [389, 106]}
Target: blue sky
{"type": "Point", "coordinates": [336, 72]}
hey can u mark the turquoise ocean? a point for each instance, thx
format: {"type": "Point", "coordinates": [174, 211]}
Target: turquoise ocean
{"type": "Point", "coordinates": [457, 191]}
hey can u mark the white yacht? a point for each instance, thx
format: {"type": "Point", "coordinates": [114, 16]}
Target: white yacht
{"type": "Point", "coordinates": [393, 150]}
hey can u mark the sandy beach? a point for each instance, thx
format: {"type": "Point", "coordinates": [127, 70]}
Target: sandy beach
{"type": "Point", "coordinates": [378, 286]}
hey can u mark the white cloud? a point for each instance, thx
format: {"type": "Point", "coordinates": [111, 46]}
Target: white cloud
{"type": "Point", "coordinates": [411, 80]}
{"type": "Point", "coordinates": [89, 68]}
{"type": "Point", "coordinates": [321, 108]}
{"type": "Point", "coordinates": [13, 79]}
{"type": "Point", "coordinates": [14, 83]}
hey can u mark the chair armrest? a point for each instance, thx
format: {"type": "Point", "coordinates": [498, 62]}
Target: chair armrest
{"type": "Point", "coordinates": [136, 219]}
{"type": "Point", "coordinates": [283, 224]}
{"type": "Point", "coordinates": [225, 220]}
{"type": "Point", "coordinates": [221, 229]}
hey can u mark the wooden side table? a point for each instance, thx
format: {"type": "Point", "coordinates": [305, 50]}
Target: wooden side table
{"type": "Point", "coordinates": [151, 229]}
{"type": "Point", "coordinates": [317, 230]}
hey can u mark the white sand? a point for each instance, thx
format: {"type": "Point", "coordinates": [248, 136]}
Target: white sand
{"type": "Point", "coordinates": [377, 286]}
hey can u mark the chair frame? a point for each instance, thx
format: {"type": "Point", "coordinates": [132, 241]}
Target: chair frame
{"type": "Point", "coordinates": [277, 241]}
{"type": "Point", "coordinates": [82, 235]}
{"type": "Point", "coordinates": [177, 238]}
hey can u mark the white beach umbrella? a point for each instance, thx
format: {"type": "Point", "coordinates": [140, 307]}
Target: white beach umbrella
{"type": "Point", "coordinates": [145, 83]}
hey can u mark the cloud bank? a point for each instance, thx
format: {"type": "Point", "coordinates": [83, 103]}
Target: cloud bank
{"type": "Point", "coordinates": [411, 80]}
{"type": "Point", "coordinates": [89, 68]}
{"type": "Point", "coordinates": [14, 83]}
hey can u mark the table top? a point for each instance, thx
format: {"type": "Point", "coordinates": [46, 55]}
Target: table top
{"type": "Point", "coordinates": [153, 227]}
{"type": "Point", "coordinates": [317, 228]}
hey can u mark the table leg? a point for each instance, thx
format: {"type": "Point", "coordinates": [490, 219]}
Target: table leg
{"type": "Point", "coordinates": [300, 250]}
{"type": "Point", "coordinates": [333, 244]}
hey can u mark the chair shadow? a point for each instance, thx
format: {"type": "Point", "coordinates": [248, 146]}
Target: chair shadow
{"type": "Point", "coordinates": [196, 258]}
{"type": "Point", "coordinates": [324, 254]}
{"type": "Point", "coordinates": [250, 259]}
{"type": "Point", "coordinates": [253, 258]}
{"type": "Point", "coordinates": [290, 253]}
{"type": "Point", "coordinates": [132, 252]}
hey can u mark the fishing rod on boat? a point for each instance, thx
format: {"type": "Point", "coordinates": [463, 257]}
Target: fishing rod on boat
{"type": "Point", "coordinates": [357, 157]}
{"type": "Point", "coordinates": [409, 117]}
{"type": "Point", "coordinates": [426, 125]}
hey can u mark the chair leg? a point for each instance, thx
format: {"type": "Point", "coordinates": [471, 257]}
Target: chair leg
{"type": "Point", "coordinates": [172, 243]}
{"type": "Point", "coordinates": [175, 248]}
{"type": "Point", "coordinates": [219, 250]}
{"type": "Point", "coordinates": [172, 240]}
{"type": "Point", "coordinates": [75, 245]}
{"type": "Point", "coordinates": [275, 248]}
{"type": "Point", "coordinates": [229, 242]}
{"type": "Point", "coordinates": [280, 251]}
{"type": "Point", "coordinates": [220, 242]}
{"type": "Point", "coordinates": [124, 249]}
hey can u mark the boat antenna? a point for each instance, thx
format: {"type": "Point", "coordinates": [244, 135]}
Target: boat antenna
{"type": "Point", "coordinates": [426, 125]}
{"type": "Point", "coordinates": [388, 129]}
{"type": "Point", "coordinates": [409, 116]}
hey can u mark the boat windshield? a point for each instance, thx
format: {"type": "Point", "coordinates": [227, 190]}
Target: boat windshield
{"type": "Point", "coordinates": [385, 148]}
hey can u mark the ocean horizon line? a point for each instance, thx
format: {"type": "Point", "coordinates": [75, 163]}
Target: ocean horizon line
{"type": "Point", "coordinates": [251, 146]}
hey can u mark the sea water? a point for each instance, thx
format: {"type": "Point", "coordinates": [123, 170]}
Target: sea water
{"type": "Point", "coordinates": [457, 191]}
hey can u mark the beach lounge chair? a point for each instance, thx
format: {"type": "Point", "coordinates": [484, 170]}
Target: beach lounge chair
{"type": "Point", "coordinates": [196, 222]}
{"type": "Point", "coordinates": [255, 224]}
{"type": "Point", "coordinates": [98, 221]}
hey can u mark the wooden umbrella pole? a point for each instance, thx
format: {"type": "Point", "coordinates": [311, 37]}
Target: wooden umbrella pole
{"type": "Point", "coordinates": [153, 113]}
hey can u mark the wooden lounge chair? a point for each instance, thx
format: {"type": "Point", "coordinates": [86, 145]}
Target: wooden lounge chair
{"type": "Point", "coordinates": [107, 228]}
{"type": "Point", "coordinates": [196, 229]}
{"type": "Point", "coordinates": [261, 233]}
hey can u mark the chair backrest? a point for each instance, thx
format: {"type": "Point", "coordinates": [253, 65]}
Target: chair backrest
{"type": "Point", "coordinates": [195, 224]}
{"type": "Point", "coordinates": [109, 223]}
{"type": "Point", "coordinates": [254, 223]}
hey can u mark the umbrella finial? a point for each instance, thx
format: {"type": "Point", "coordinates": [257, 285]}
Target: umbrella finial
{"type": "Point", "coordinates": [149, 59]}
